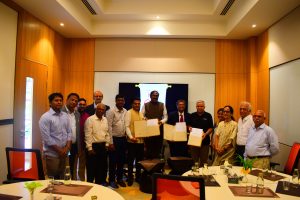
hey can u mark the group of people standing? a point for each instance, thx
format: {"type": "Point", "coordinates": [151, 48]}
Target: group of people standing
{"type": "Point", "coordinates": [101, 139]}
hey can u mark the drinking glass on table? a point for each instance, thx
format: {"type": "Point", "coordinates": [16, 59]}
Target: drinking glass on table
{"type": "Point", "coordinates": [50, 187]}
{"type": "Point", "coordinates": [295, 178]}
{"type": "Point", "coordinates": [67, 179]}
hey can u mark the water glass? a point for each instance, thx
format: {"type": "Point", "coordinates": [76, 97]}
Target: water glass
{"type": "Point", "coordinates": [50, 187]}
{"type": "Point", "coordinates": [295, 177]}
{"type": "Point", "coordinates": [67, 179]}
{"type": "Point", "coordinates": [253, 188]}
{"type": "Point", "coordinates": [286, 185]}
{"type": "Point", "coordinates": [248, 188]}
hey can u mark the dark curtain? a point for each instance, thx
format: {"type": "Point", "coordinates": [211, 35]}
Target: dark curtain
{"type": "Point", "coordinates": [175, 92]}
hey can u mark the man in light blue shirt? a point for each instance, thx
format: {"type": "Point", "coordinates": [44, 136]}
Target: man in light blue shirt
{"type": "Point", "coordinates": [56, 135]}
{"type": "Point", "coordinates": [262, 142]}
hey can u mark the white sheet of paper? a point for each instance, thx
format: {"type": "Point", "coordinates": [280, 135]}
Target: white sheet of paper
{"type": "Point", "coordinates": [168, 132]}
{"type": "Point", "coordinates": [141, 129]}
{"type": "Point", "coordinates": [175, 133]}
{"type": "Point", "coordinates": [152, 122]}
{"type": "Point", "coordinates": [195, 138]}
{"type": "Point", "coordinates": [180, 127]}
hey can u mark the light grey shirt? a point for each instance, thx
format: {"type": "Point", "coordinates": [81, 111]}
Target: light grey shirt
{"type": "Point", "coordinates": [55, 130]}
{"type": "Point", "coordinates": [116, 123]}
{"type": "Point", "coordinates": [262, 141]}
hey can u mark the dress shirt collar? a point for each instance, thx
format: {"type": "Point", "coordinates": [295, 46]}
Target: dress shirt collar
{"type": "Point", "coordinates": [68, 111]}
{"type": "Point", "coordinates": [120, 111]}
{"type": "Point", "coordinates": [52, 112]}
{"type": "Point", "coordinates": [179, 113]}
{"type": "Point", "coordinates": [246, 118]}
{"type": "Point", "coordinates": [262, 126]}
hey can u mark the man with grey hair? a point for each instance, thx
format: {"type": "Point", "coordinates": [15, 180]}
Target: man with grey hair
{"type": "Point", "coordinates": [262, 142]}
{"type": "Point", "coordinates": [202, 120]}
{"type": "Point", "coordinates": [98, 97]}
{"type": "Point", "coordinates": [244, 124]}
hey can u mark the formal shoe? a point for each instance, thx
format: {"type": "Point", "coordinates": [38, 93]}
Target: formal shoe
{"type": "Point", "coordinates": [130, 182]}
{"type": "Point", "coordinates": [113, 185]}
{"type": "Point", "coordinates": [105, 184]}
{"type": "Point", "coordinates": [121, 183]}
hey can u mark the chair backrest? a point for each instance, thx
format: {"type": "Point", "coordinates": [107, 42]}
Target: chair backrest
{"type": "Point", "coordinates": [180, 165]}
{"type": "Point", "coordinates": [293, 159]}
{"type": "Point", "coordinates": [24, 164]}
{"type": "Point", "coordinates": [165, 187]}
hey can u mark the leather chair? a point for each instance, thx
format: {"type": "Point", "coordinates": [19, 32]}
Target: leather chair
{"type": "Point", "coordinates": [175, 187]}
{"type": "Point", "coordinates": [23, 165]}
{"type": "Point", "coordinates": [180, 165]}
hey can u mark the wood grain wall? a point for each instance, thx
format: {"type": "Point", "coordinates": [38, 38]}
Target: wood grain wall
{"type": "Point", "coordinates": [242, 73]}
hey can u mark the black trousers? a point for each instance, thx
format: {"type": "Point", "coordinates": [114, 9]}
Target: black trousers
{"type": "Point", "coordinates": [117, 158]}
{"type": "Point", "coordinates": [154, 147]}
{"type": "Point", "coordinates": [135, 152]}
{"type": "Point", "coordinates": [72, 157]}
{"type": "Point", "coordinates": [239, 150]}
{"type": "Point", "coordinates": [96, 165]}
{"type": "Point", "coordinates": [178, 149]}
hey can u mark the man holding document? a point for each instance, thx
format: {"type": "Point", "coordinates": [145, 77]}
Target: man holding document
{"type": "Point", "coordinates": [135, 145]}
{"type": "Point", "coordinates": [200, 120]}
{"type": "Point", "coordinates": [155, 112]}
{"type": "Point", "coordinates": [180, 118]}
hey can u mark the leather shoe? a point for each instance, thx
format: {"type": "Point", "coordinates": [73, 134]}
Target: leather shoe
{"type": "Point", "coordinates": [121, 183]}
{"type": "Point", "coordinates": [113, 185]}
{"type": "Point", "coordinates": [130, 182]}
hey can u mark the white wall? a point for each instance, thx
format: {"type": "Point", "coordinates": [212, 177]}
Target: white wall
{"type": "Point", "coordinates": [284, 47]}
{"type": "Point", "coordinates": [284, 40]}
{"type": "Point", "coordinates": [8, 34]}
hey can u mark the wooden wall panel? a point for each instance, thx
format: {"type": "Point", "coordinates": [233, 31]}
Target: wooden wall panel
{"type": "Point", "coordinates": [231, 68]}
{"type": "Point", "coordinates": [78, 71]}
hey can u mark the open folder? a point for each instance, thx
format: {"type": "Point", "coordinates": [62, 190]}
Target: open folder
{"type": "Point", "coordinates": [146, 128]}
{"type": "Point", "coordinates": [175, 133]}
{"type": "Point", "coordinates": [195, 138]}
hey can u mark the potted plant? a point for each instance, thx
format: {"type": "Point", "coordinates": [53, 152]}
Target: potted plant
{"type": "Point", "coordinates": [31, 186]}
{"type": "Point", "coordinates": [247, 167]}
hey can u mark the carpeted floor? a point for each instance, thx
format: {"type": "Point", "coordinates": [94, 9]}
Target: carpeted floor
{"type": "Point", "coordinates": [133, 192]}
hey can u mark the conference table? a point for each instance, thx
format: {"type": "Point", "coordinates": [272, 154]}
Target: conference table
{"type": "Point", "coordinates": [224, 192]}
{"type": "Point", "coordinates": [18, 189]}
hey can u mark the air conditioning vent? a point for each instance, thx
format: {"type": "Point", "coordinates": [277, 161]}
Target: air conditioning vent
{"type": "Point", "coordinates": [89, 6]}
{"type": "Point", "coordinates": [227, 7]}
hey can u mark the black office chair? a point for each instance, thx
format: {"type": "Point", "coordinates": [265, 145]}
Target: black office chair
{"type": "Point", "coordinates": [23, 165]}
{"type": "Point", "coordinates": [180, 165]}
{"type": "Point", "coordinates": [174, 187]}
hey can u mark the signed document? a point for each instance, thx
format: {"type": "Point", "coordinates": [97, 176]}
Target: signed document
{"type": "Point", "coordinates": [146, 128]}
{"type": "Point", "coordinates": [175, 133]}
{"type": "Point", "coordinates": [195, 138]}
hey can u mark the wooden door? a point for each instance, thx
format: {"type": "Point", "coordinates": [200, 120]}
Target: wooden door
{"type": "Point", "coordinates": [38, 72]}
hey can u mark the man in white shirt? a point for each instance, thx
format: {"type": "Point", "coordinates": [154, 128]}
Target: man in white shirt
{"type": "Point", "coordinates": [97, 140]}
{"type": "Point", "coordinates": [244, 124]}
{"type": "Point", "coordinates": [118, 142]}
{"type": "Point", "coordinates": [74, 117]}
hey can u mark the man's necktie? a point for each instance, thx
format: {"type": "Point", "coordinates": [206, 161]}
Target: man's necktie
{"type": "Point", "coordinates": [181, 118]}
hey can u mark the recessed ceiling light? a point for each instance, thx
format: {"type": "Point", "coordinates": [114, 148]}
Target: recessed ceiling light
{"type": "Point", "coordinates": [157, 17]}
{"type": "Point", "coordinates": [62, 24]}
{"type": "Point", "coordinates": [253, 25]}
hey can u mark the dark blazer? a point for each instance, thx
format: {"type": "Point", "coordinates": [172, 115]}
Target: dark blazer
{"type": "Point", "coordinates": [173, 117]}
{"type": "Point", "coordinates": [77, 118]}
{"type": "Point", "coordinates": [90, 109]}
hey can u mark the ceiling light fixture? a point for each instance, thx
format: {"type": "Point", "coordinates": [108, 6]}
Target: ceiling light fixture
{"type": "Point", "coordinates": [62, 24]}
{"type": "Point", "coordinates": [253, 25]}
{"type": "Point", "coordinates": [157, 17]}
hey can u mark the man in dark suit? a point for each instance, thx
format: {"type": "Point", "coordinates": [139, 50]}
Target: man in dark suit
{"type": "Point", "coordinates": [179, 148]}
{"type": "Point", "coordinates": [98, 97]}
{"type": "Point", "coordinates": [74, 117]}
